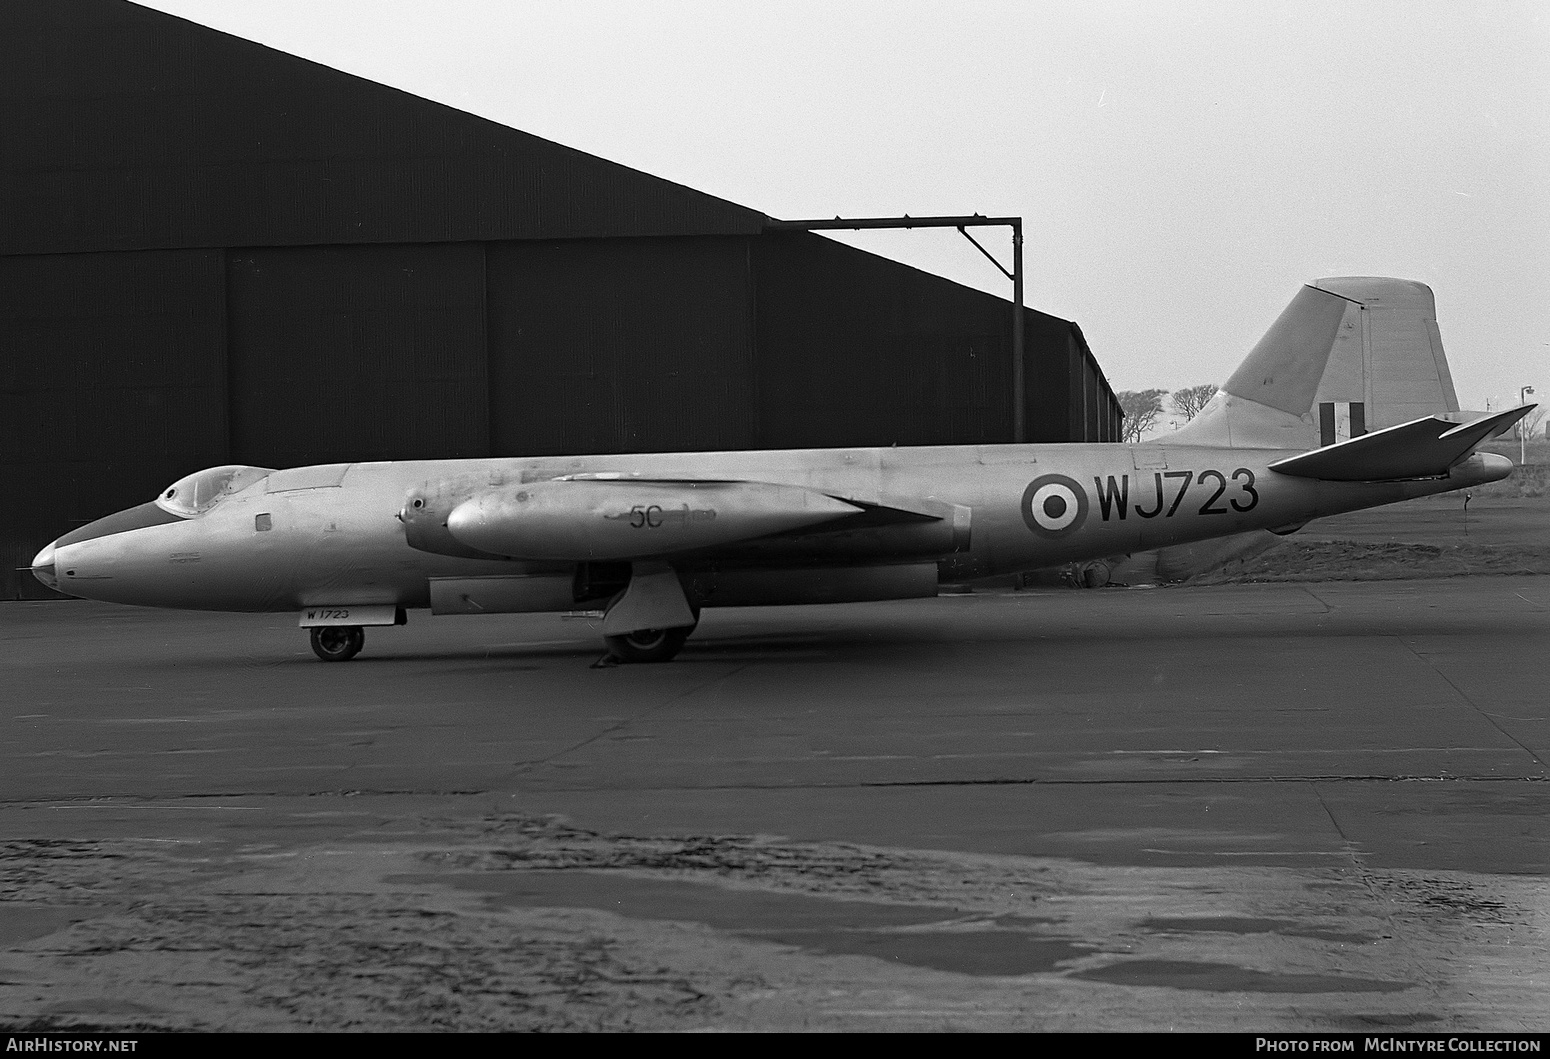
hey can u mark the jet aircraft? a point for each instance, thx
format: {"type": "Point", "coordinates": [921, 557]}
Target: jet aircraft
{"type": "Point", "coordinates": [650, 540]}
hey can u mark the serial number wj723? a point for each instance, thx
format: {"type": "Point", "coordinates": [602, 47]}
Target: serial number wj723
{"type": "Point", "coordinates": [1211, 492]}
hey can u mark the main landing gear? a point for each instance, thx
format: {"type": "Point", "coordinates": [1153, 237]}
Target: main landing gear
{"type": "Point", "coordinates": [650, 620]}
{"type": "Point", "coordinates": [337, 643]}
{"type": "Point", "coordinates": [648, 645]}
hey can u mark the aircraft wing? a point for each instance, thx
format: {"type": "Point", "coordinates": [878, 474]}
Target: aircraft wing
{"type": "Point", "coordinates": [1421, 448]}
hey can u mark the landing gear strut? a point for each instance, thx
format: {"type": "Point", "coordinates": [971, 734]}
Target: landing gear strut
{"type": "Point", "coordinates": [337, 643]}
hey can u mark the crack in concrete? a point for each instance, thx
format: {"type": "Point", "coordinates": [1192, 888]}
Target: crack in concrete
{"type": "Point", "coordinates": [626, 722]}
{"type": "Point", "coordinates": [135, 801]}
{"type": "Point", "coordinates": [1471, 703]}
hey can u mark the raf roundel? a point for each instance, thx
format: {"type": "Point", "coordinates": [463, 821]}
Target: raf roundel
{"type": "Point", "coordinates": [1054, 505]}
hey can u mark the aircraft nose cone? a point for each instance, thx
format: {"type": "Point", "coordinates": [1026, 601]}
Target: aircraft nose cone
{"type": "Point", "coordinates": [43, 568]}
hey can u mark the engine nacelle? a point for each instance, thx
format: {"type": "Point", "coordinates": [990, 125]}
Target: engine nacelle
{"type": "Point", "coordinates": [427, 507]}
{"type": "Point", "coordinates": [611, 519]}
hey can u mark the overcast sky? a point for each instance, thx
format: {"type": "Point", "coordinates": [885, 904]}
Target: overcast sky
{"type": "Point", "coordinates": [1181, 166]}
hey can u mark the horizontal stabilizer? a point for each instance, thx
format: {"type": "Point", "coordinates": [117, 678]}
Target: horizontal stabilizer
{"type": "Point", "coordinates": [1421, 448]}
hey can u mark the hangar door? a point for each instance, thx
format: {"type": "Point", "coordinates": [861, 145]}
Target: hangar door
{"type": "Point", "coordinates": [346, 353]}
{"type": "Point", "coordinates": [620, 345]}
{"type": "Point", "coordinates": [112, 384]}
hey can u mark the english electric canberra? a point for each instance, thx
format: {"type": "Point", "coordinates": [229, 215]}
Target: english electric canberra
{"type": "Point", "coordinates": [650, 540]}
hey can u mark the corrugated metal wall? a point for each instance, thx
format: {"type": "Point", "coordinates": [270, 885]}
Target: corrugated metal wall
{"type": "Point", "coordinates": [1049, 380]}
{"type": "Point", "coordinates": [620, 345]}
{"type": "Point", "coordinates": [357, 353]}
{"type": "Point", "coordinates": [1102, 417]}
{"type": "Point", "coordinates": [112, 384]}
{"type": "Point", "coordinates": [1069, 398]}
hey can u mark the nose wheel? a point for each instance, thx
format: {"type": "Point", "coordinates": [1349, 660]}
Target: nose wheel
{"type": "Point", "coordinates": [338, 643]}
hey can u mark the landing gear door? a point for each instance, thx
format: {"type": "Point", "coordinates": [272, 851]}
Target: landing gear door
{"type": "Point", "coordinates": [312, 617]}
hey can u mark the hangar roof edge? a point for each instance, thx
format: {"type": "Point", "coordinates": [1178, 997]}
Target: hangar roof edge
{"type": "Point", "coordinates": [185, 136]}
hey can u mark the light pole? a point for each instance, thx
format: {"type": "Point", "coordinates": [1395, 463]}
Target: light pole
{"type": "Point", "coordinates": [1523, 393]}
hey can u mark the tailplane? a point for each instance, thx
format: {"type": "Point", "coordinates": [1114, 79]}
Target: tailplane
{"type": "Point", "coordinates": [1349, 355]}
{"type": "Point", "coordinates": [1422, 448]}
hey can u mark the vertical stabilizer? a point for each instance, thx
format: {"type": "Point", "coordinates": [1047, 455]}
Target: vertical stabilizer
{"type": "Point", "coordinates": [1349, 355]}
{"type": "Point", "coordinates": [1387, 366]}
{"type": "Point", "coordinates": [1284, 368]}
{"type": "Point", "coordinates": [1268, 401]}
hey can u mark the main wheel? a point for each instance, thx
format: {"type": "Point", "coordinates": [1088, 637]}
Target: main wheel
{"type": "Point", "coordinates": [337, 643]}
{"type": "Point", "coordinates": [648, 645]}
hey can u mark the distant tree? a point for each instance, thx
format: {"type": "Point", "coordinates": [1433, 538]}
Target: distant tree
{"type": "Point", "coordinates": [1189, 401]}
{"type": "Point", "coordinates": [1529, 426]}
{"type": "Point", "coordinates": [1142, 409]}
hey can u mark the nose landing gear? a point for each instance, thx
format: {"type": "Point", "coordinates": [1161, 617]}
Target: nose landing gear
{"type": "Point", "coordinates": [337, 643]}
{"type": "Point", "coordinates": [342, 642]}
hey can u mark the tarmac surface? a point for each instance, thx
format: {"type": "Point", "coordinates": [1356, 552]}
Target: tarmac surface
{"type": "Point", "coordinates": [1442, 520]}
{"type": "Point", "coordinates": [1259, 807]}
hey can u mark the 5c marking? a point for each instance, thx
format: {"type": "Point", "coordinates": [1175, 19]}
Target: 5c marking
{"type": "Point", "coordinates": [655, 516]}
{"type": "Point", "coordinates": [1165, 497]}
{"type": "Point", "coordinates": [646, 515]}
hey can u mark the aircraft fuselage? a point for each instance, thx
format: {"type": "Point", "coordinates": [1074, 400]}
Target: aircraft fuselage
{"type": "Point", "coordinates": [337, 535]}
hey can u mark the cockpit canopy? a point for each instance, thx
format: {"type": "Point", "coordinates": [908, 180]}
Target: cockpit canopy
{"type": "Point", "coordinates": [193, 495]}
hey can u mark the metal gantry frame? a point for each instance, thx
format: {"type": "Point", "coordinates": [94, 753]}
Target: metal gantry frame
{"type": "Point", "coordinates": [963, 224]}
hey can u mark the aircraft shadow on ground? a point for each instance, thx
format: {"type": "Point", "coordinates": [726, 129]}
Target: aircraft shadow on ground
{"type": "Point", "coordinates": [870, 642]}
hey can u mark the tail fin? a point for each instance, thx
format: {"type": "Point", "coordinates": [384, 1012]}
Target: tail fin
{"type": "Point", "coordinates": [1359, 352]}
{"type": "Point", "coordinates": [1387, 358]}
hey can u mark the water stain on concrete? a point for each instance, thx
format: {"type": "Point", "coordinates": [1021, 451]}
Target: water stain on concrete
{"type": "Point", "coordinates": [102, 1006]}
{"type": "Point", "coordinates": [1227, 978]}
{"type": "Point", "coordinates": [982, 953]}
{"type": "Point", "coordinates": [937, 937]}
{"type": "Point", "coordinates": [21, 923]}
{"type": "Point", "coordinates": [1386, 1020]}
{"type": "Point", "coordinates": [1246, 925]}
